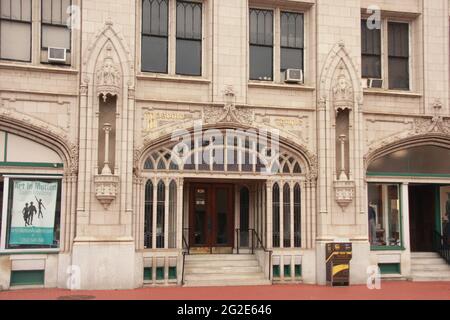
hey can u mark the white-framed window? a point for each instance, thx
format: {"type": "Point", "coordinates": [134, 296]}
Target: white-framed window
{"type": "Point", "coordinates": [276, 42]}
{"type": "Point", "coordinates": [386, 53]}
{"type": "Point", "coordinates": [55, 28]}
{"type": "Point", "coordinates": [172, 37]}
{"type": "Point", "coordinates": [30, 213]}
{"type": "Point", "coordinates": [15, 30]}
{"type": "Point", "coordinates": [28, 28]}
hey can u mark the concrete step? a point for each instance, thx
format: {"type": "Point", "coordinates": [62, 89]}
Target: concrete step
{"type": "Point", "coordinates": [445, 273]}
{"type": "Point", "coordinates": [224, 276]}
{"type": "Point", "coordinates": [430, 278]}
{"type": "Point", "coordinates": [217, 264]}
{"type": "Point", "coordinates": [228, 283]}
{"type": "Point", "coordinates": [220, 257]}
{"type": "Point", "coordinates": [222, 269]}
{"type": "Point", "coordinates": [428, 261]}
{"type": "Point", "coordinates": [431, 267]}
{"type": "Point", "coordinates": [424, 255]}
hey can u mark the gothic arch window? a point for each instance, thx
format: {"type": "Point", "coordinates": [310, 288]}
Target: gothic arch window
{"type": "Point", "coordinates": [148, 209]}
{"type": "Point", "coordinates": [276, 215]}
{"type": "Point", "coordinates": [232, 152]}
{"type": "Point", "coordinates": [297, 216]}
{"type": "Point", "coordinates": [286, 215]}
{"type": "Point", "coordinates": [172, 214]}
{"type": "Point", "coordinates": [160, 214]}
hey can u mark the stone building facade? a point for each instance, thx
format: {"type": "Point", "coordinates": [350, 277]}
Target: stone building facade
{"type": "Point", "coordinates": [102, 126]}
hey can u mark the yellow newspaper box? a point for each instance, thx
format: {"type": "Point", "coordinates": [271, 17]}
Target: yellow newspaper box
{"type": "Point", "coordinates": [338, 256]}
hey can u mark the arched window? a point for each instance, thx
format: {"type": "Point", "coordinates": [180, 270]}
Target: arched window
{"type": "Point", "coordinates": [173, 215]}
{"type": "Point", "coordinates": [297, 216]}
{"type": "Point", "coordinates": [160, 213]}
{"type": "Point", "coordinates": [420, 160]}
{"type": "Point", "coordinates": [286, 216]}
{"type": "Point", "coordinates": [276, 215]}
{"type": "Point", "coordinates": [148, 219]}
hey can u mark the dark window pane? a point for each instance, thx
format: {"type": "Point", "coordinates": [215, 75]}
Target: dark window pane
{"type": "Point", "coordinates": [154, 54]}
{"type": "Point", "coordinates": [371, 66]}
{"type": "Point", "coordinates": [371, 51]}
{"type": "Point", "coordinates": [155, 17]}
{"type": "Point", "coordinates": [189, 20]}
{"type": "Point", "coordinates": [291, 59]}
{"type": "Point", "coordinates": [398, 39]}
{"type": "Point", "coordinates": [370, 39]}
{"type": "Point", "coordinates": [399, 73]}
{"type": "Point", "coordinates": [292, 30]}
{"type": "Point", "coordinates": [261, 27]}
{"type": "Point", "coordinates": [189, 57]}
{"type": "Point", "coordinates": [261, 63]}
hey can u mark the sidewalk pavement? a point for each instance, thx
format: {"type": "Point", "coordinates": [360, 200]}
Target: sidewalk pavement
{"type": "Point", "coordinates": [389, 291]}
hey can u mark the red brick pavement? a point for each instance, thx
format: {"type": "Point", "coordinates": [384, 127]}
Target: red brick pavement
{"type": "Point", "coordinates": [388, 291]}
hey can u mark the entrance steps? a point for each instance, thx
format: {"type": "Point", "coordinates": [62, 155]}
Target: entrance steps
{"type": "Point", "coordinates": [223, 270]}
{"type": "Point", "coordinates": [429, 266]}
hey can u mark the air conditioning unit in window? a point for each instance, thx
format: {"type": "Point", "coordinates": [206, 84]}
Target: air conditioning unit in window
{"type": "Point", "coordinates": [372, 83]}
{"type": "Point", "coordinates": [57, 55]}
{"type": "Point", "coordinates": [293, 76]}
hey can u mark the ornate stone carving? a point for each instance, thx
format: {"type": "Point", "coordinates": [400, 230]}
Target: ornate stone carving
{"type": "Point", "coordinates": [229, 113]}
{"type": "Point", "coordinates": [437, 124]}
{"type": "Point", "coordinates": [108, 76]}
{"type": "Point", "coordinates": [106, 189]}
{"type": "Point", "coordinates": [343, 97]}
{"type": "Point", "coordinates": [344, 193]}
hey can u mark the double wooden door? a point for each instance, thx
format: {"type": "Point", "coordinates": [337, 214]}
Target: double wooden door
{"type": "Point", "coordinates": [211, 218]}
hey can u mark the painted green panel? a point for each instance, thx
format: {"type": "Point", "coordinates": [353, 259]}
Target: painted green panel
{"type": "Point", "coordinates": [148, 274]}
{"type": "Point", "coordinates": [172, 273]}
{"type": "Point", "coordinates": [389, 268]}
{"type": "Point", "coordinates": [31, 164]}
{"type": "Point", "coordinates": [160, 273]}
{"type": "Point", "coordinates": [287, 270]}
{"type": "Point", "coordinates": [276, 271]}
{"type": "Point", "coordinates": [298, 270]}
{"type": "Point", "coordinates": [27, 278]}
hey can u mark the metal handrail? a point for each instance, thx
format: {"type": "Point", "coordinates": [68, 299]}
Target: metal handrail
{"type": "Point", "coordinates": [186, 251]}
{"type": "Point", "coordinates": [260, 243]}
{"type": "Point", "coordinates": [442, 246]}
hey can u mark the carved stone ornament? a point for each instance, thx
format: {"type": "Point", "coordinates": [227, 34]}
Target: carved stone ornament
{"type": "Point", "coordinates": [343, 91]}
{"type": "Point", "coordinates": [106, 189]}
{"type": "Point", "coordinates": [437, 124]}
{"type": "Point", "coordinates": [108, 77]}
{"type": "Point", "coordinates": [229, 113]}
{"type": "Point", "coordinates": [344, 193]}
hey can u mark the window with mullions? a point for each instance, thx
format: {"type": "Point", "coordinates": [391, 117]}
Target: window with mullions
{"type": "Point", "coordinates": [292, 41]}
{"type": "Point", "coordinates": [155, 35]}
{"type": "Point", "coordinates": [15, 30]}
{"type": "Point", "coordinates": [261, 44]}
{"type": "Point", "coordinates": [371, 51]}
{"type": "Point", "coordinates": [398, 55]}
{"type": "Point", "coordinates": [189, 38]}
{"type": "Point", "coordinates": [55, 30]}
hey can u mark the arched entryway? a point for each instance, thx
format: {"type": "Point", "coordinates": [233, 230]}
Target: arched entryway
{"type": "Point", "coordinates": [220, 189]}
{"type": "Point", "coordinates": [409, 193]}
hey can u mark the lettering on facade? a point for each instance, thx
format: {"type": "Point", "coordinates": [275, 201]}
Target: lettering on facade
{"type": "Point", "coordinates": [154, 119]}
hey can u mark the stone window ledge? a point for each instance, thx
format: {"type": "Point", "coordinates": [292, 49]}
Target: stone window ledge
{"type": "Point", "coordinates": [393, 93]}
{"type": "Point", "coordinates": [37, 68]}
{"type": "Point", "coordinates": [279, 86]}
{"type": "Point", "coordinates": [172, 78]}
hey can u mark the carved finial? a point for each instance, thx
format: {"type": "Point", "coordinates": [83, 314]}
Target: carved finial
{"type": "Point", "coordinates": [437, 105]}
{"type": "Point", "coordinates": [109, 22]}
